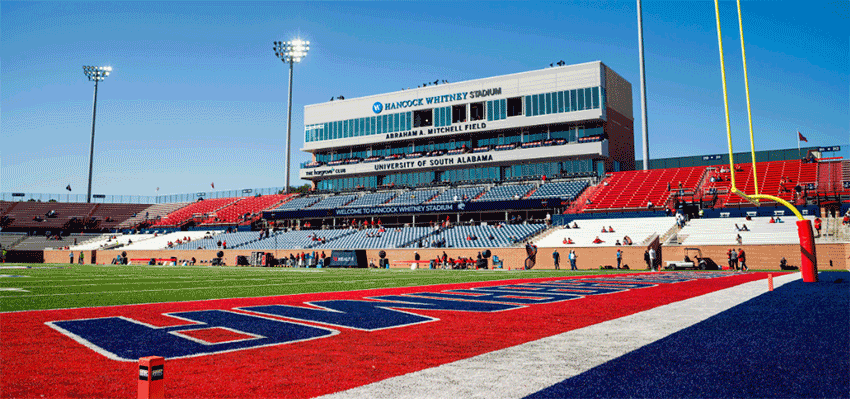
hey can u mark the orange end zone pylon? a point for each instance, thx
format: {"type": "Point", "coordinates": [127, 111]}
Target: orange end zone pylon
{"type": "Point", "coordinates": [151, 377]}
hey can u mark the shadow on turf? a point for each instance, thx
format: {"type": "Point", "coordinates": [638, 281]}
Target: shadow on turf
{"type": "Point", "coordinates": [792, 342]}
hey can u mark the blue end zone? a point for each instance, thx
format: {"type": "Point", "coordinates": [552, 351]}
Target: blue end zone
{"type": "Point", "coordinates": [792, 342]}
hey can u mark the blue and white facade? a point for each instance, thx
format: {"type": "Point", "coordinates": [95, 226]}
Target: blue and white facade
{"type": "Point", "coordinates": [561, 121]}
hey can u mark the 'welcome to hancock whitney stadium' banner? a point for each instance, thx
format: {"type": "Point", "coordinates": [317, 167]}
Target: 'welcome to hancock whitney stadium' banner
{"type": "Point", "coordinates": [414, 209]}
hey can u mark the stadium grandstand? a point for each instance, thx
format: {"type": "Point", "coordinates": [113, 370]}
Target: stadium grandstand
{"type": "Point", "coordinates": [488, 163]}
{"type": "Point", "coordinates": [484, 215]}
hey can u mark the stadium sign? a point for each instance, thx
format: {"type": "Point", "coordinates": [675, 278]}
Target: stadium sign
{"type": "Point", "coordinates": [379, 107]}
{"type": "Point", "coordinates": [460, 160]}
{"type": "Point", "coordinates": [490, 158]}
{"type": "Point", "coordinates": [384, 210]}
{"type": "Point", "coordinates": [454, 207]}
{"type": "Point", "coordinates": [437, 130]}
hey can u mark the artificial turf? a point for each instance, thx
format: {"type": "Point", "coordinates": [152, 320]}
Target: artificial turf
{"type": "Point", "coordinates": [63, 286]}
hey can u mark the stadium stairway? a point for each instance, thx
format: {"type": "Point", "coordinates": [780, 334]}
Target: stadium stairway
{"type": "Point", "coordinates": [183, 215]}
{"type": "Point", "coordinates": [152, 212]}
{"type": "Point", "coordinates": [831, 177]}
{"type": "Point", "coordinates": [233, 213]}
{"type": "Point", "coordinates": [10, 240]}
{"type": "Point", "coordinates": [833, 230]}
{"type": "Point", "coordinates": [110, 216]}
{"type": "Point", "coordinates": [580, 203]}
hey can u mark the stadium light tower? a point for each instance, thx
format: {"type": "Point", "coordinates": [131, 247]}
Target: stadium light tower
{"type": "Point", "coordinates": [290, 53]}
{"type": "Point", "coordinates": [95, 74]}
{"type": "Point", "coordinates": [644, 123]}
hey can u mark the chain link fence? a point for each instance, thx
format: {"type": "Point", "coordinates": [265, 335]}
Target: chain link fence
{"type": "Point", "coordinates": [137, 199]}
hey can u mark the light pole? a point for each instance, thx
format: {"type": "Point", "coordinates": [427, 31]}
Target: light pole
{"type": "Point", "coordinates": [95, 74]}
{"type": "Point", "coordinates": [644, 123]}
{"type": "Point", "coordinates": [290, 52]}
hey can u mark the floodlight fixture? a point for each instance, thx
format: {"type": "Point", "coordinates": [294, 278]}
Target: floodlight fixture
{"type": "Point", "coordinates": [290, 52]}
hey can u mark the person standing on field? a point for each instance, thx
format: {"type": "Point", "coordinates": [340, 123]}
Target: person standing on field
{"type": "Point", "coordinates": [619, 258]}
{"type": "Point", "coordinates": [573, 257]}
{"type": "Point", "coordinates": [742, 260]}
{"type": "Point", "coordinates": [556, 257]}
{"type": "Point", "coordinates": [652, 259]}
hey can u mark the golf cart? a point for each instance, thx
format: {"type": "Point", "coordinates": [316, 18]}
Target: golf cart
{"type": "Point", "coordinates": [693, 259]}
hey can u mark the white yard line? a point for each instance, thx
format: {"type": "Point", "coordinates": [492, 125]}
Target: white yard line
{"type": "Point", "coordinates": [522, 370]}
{"type": "Point", "coordinates": [218, 287]}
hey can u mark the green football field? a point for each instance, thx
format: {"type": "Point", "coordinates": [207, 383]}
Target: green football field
{"type": "Point", "coordinates": [45, 286]}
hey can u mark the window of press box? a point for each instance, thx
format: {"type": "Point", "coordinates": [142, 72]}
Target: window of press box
{"type": "Point", "coordinates": [476, 111]}
{"type": "Point", "coordinates": [459, 113]}
{"type": "Point", "coordinates": [514, 106]}
{"type": "Point", "coordinates": [423, 118]}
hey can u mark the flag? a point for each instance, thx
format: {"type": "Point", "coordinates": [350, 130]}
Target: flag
{"type": "Point", "coordinates": [157, 189]}
{"type": "Point", "coordinates": [68, 187]}
{"type": "Point", "coordinates": [212, 184]}
{"type": "Point", "coordinates": [801, 137]}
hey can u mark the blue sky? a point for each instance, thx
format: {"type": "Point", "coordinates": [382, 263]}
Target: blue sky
{"type": "Point", "coordinates": [197, 96]}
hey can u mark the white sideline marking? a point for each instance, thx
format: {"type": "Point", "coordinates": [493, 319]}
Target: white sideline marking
{"type": "Point", "coordinates": [503, 373]}
{"type": "Point", "coordinates": [14, 290]}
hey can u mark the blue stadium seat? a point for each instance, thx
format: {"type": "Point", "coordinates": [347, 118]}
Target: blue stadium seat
{"type": "Point", "coordinates": [413, 197]}
{"type": "Point", "coordinates": [507, 192]}
{"type": "Point", "coordinates": [334, 201]}
{"type": "Point", "coordinates": [371, 199]}
{"type": "Point", "coordinates": [450, 194]}
{"type": "Point", "coordinates": [564, 190]}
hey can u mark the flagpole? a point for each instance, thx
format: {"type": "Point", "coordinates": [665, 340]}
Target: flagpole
{"type": "Point", "coordinates": [798, 145]}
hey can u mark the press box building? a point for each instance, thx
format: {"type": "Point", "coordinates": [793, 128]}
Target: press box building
{"type": "Point", "coordinates": [573, 120]}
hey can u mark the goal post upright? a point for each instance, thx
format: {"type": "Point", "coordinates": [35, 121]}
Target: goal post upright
{"type": "Point", "coordinates": [808, 255]}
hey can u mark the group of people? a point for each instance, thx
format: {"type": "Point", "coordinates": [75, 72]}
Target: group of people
{"type": "Point", "coordinates": [365, 225]}
{"type": "Point", "coordinates": [81, 259]}
{"type": "Point", "coordinates": [446, 262]}
{"type": "Point", "coordinates": [186, 239]}
{"type": "Point", "coordinates": [316, 238]}
{"type": "Point", "coordinates": [652, 261]}
{"type": "Point", "coordinates": [571, 256]}
{"type": "Point", "coordinates": [305, 259]}
{"type": "Point", "coordinates": [737, 259]}
{"type": "Point", "coordinates": [610, 229]}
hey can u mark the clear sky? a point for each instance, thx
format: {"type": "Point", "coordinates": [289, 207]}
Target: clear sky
{"type": "Point", "coordinates": [197, 95]}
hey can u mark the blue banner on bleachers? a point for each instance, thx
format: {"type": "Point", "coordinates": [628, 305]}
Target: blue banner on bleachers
{"type": "Point", "coordinates": [453, 207]}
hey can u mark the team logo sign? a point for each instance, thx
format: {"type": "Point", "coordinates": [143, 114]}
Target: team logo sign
{"type": "Point", "coordinates": [213, 331]}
